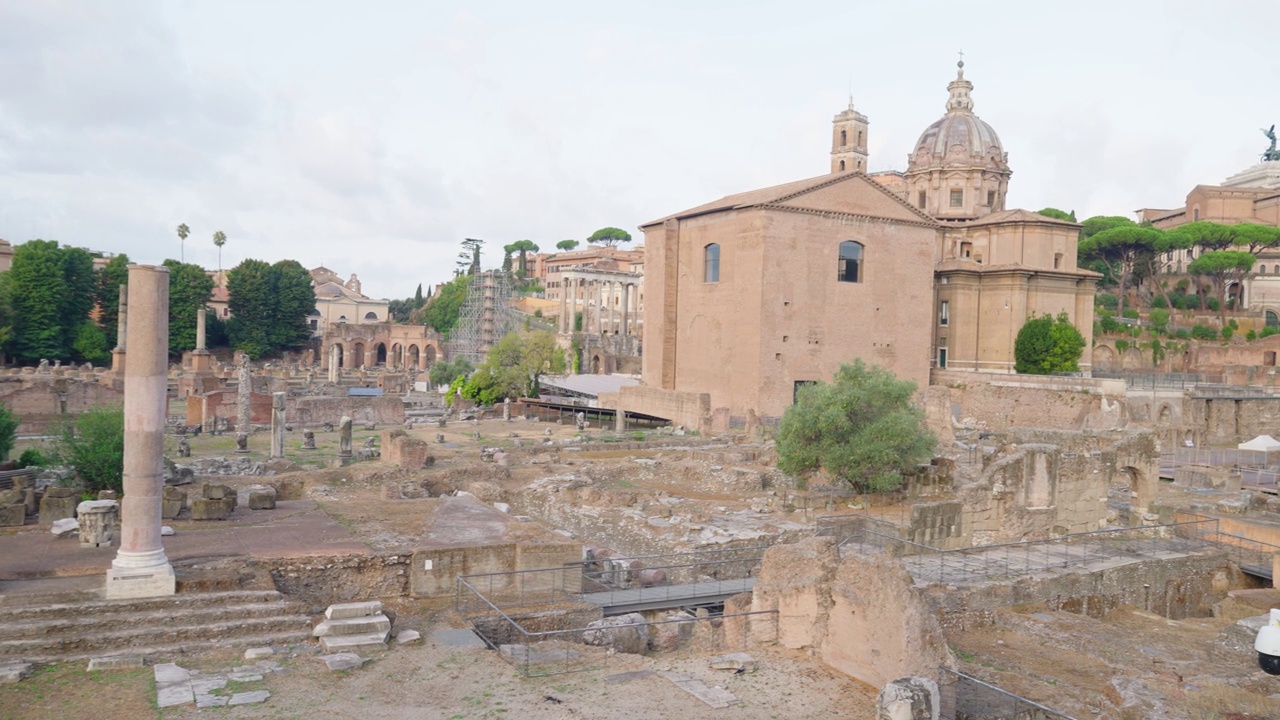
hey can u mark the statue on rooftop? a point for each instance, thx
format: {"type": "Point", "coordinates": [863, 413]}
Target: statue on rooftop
{"type": "Point", "coordinates": [1271, 153]}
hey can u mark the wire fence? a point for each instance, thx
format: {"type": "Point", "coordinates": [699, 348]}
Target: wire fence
{"type": "Point", "coordinates": [540, 620]}
{"type": "Point", "coordinates": [980, 563]}
{"type": "Point", "coordinates": [1259, 469]}
{"type": "Point", "coordinates": [964, 697]}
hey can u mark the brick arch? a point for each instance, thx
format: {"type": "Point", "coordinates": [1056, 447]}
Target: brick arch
{"type": "Point", "coordinates": [411, 357]}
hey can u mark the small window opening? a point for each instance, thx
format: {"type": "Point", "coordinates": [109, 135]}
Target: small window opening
{"type": "Point", "coordinates": [957, 198]}
{"type": "Point", "coordinates": [850, 262]}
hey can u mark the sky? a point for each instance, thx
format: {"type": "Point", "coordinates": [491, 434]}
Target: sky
{"type": "Point", "coordinates": [373, 137]}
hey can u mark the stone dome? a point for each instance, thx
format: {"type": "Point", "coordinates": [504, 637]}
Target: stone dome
{"type": "Point", "coordinates": [959, 137]}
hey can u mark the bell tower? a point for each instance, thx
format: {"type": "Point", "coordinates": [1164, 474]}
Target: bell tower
{"type": "Point", "coordinates": [849, 141]}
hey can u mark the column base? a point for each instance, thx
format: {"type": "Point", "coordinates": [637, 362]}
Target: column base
{"type": "Point", "coordinates": [127, 583]}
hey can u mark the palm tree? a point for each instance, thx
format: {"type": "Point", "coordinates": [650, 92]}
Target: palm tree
{"type": "Point", "coordinates": [219, 239]}
{"type": "Point", "coordinates": [183, 232]}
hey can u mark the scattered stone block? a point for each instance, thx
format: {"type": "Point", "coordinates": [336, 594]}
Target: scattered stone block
{"type": "Point", "coordinates": [107, 495]}
{"type": "Point", "coordinates": [405, 637]}
{"type": "Point", "coordinates": [65, 527]}
{"type": "Point", "coordinates": [248, 698]}
{"type": "Point", "coordinates": [343, 661]}
{"type": "Point", "coordinates": [211, 509]}
{"type": "Point", "coordinates": [97, 522]}
{"type": "Point", "coordinates": [206, 701]}
{"type": "Point", "coordinates": [173, 685]}
{"type": "Point", "coordinates": [213, 491]}
{"type": "Point", "coordinates": [172, 502]}
{"type": "Point", "coordinates": [909, 697]}
{"type": "Point", "coordinates": [258, 653]}
{"type": "Point", "coordinates": [13, 515]}
{"type": "Point", "coordinates": [262, 497]}
{"type": "Point", "coordinates": [625, 633]}
{"type": "Point", "coordinates": [734, 661]}
{"type": "Point", "coordinates": [340, 611]}
{"type": "Point", "coordinates": [58, 503]}
{"type": "Point", "coordinates": [165, 530]}
{"type": "Point", "coordinates": [115, 662]}
{"type": "Point", "coordinates": [12, 672]}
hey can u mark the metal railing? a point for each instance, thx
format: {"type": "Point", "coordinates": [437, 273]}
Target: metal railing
{"type": "Point", "coordinates": [928, 564]}
{"type": "Point", "coordinates": [964, 697]}
{"type": "Point", "coordinates": [538, 619]}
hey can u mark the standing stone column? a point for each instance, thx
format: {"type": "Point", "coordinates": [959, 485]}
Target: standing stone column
{"type": "Point", "coordinates": [122, 325]}
{"type": "Point", "coordinates": [344, 439]}
{"type": "Point", "coordinates": [277, 425]}
{"type": "Point", "coordinates": [333, 363]}
{"type": "Point", "coordinates": [598, 295]}
{"type": "Point", "coordinates": [140, 568]}
{"type": "Point", "coordinates": [200, 331]}
{"type": "Point", "coordinates": [626, 309]}
{"type": "Point", "coordinates": [564, 303]}
{"type": "Point", "coordinates": [244, 398]}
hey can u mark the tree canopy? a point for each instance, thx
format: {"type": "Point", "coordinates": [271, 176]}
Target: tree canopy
{"type": "Point", "coordinates": [189, 290]}
{"type": "Point", "coordinates": [1046, 344]}
{"type": "Point", "coordinates": [567, 245]}
{"type": "Point", "coordinates": [514, 367]}
{"type": "Point", "coordinates": [443, 372]}
{"type": "Point", "coordinates": [609, 237]}
{"type": "Point", "coordinates": [860, 428]}
{"type": "Point", "coordinates": [445, 306]}
{"type": "Point", "coordinates": [269, 306]}
{"type": "Point", "coordinates": [1057, 214]}
{"type": "Point", "coordinates": [1222, 267]}
{"type": "Point", "coordinates": [51, 291]}
{"type": "Point", "coordinates": [1119, 247]}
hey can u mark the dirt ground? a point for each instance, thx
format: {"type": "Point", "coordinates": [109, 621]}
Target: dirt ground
{"type": "Point", "coordinates": [432, 680]}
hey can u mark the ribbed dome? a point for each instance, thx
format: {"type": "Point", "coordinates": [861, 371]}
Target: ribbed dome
{"type": "Point", "coordinates": [959, 137]}
{"type": "Point", "coordinates": [956, 128]}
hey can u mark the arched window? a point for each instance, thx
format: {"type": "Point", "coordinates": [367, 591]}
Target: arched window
{"type": "Point", "coordinates": [841, 166]}
{"type": "Point", "coordinates": [1195, 214]}
{"type": "Point", "coordinates": [342, 318]}
{"type": "Point", "coordinates": [711, 263]}
{"type": "Point", "coordinates": [1262, 270]}
{"type": "Point", "coordinates": [850, 266]}
{"type": "Point", "coordinates": [843, 140]}
{"type": "Point", "coordinates": [371, 315]}
{"type": "Point", "coordinates": [1273, 320]}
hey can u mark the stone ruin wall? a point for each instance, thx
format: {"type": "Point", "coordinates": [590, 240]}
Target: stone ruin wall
{"type": "Point", "coordinates": [999, 402]}
{"type": "Point", "coordinates": [38, 401]}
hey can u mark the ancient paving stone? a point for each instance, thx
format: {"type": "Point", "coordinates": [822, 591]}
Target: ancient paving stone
{"type": "Point", "coordinates": [714, 696]}
{"type": "Point", "coordinates": [115, 662]}
{"type": "Point", "coordinates": [258, 653]}
{"type": "Point", "coordinates": [204, 701]}
{"type": "Point", "coordinates": [343, 661]}
{"type": "Point", "coordinates": [173, 685]}
{"type": "Point", "coordinates": [248, 698]}
{"type": "Point", "coordinates": [206, 684]}
{"type": "Point", "coordinates": [457, 638]}
{"type": "Point", "coordinates": [733, 661]}
{"type": "Point", "coordinates": [12, 672]}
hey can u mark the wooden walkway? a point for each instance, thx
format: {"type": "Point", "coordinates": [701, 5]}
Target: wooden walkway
{"type": "Point", "coordinates": [620, 602]}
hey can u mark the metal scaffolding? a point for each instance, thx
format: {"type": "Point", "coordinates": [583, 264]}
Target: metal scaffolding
{"type": "Point", "coordinates": [486, 316]}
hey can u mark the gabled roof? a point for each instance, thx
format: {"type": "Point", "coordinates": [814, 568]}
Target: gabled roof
{"type": "Point", "coordinates": [1018, 216]}
{"type": "Point", "coordinates": [780, 195]}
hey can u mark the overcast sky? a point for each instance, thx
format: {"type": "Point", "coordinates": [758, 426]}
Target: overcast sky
{"type": "Point", "coordinates": [372, 137]}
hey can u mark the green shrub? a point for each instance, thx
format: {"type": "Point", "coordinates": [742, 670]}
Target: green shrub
{"type": "Point", "coordinates": [1159, 318]}
{"type": "Point", "coordinates": [1212, 304]}
{"type": "Point", "coordinates": [1183, 334]}
{"type": "Point", "coordinates": [1122, 345]}
{"type": "Point", "coordinates": [31, 457]}
{"type": "Point", "coordinates": [93, 445]}
{"type": "Point", "coordinates": [1251, 336]}
{"type": "Point", "coordinates": [1131, 314]}
{"type": "Point", "coordinates": [1109, 325]}
{"type": "Point", "coordinates": [1182, 286]}
{"type": "Point", "coordinates": [1268, 331]}
{"type": "Point", "coordinates": [1203, 332]}
{"type": "Point", "coordinates": [1106, 300]}
{"type": "Point", "coordinates": [1234, 325]}
{"type": "Point", "coordinates": [1227, 332]}
{"type": "Point", "coordinates": [1158, 302]}
{"type": "Point", "coordinates": [8, 431]}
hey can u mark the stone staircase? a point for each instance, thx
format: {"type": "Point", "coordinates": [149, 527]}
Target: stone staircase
{"type": "Point", "coordinates": [70, 628]}
{"type": "Point", "coordinates": [354, 627]}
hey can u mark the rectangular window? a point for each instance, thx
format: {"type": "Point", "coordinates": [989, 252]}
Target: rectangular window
{"type": "Point", "coordinates": [991, 198]}
{"type": "Point", "coordinates": [944, 312]}
{"type": "Point", "coordinates": [942, 358]}
{"type": "Point", "coordinates": [957, 198]}
{"type": "Point", "coordinates": [921, 199]}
